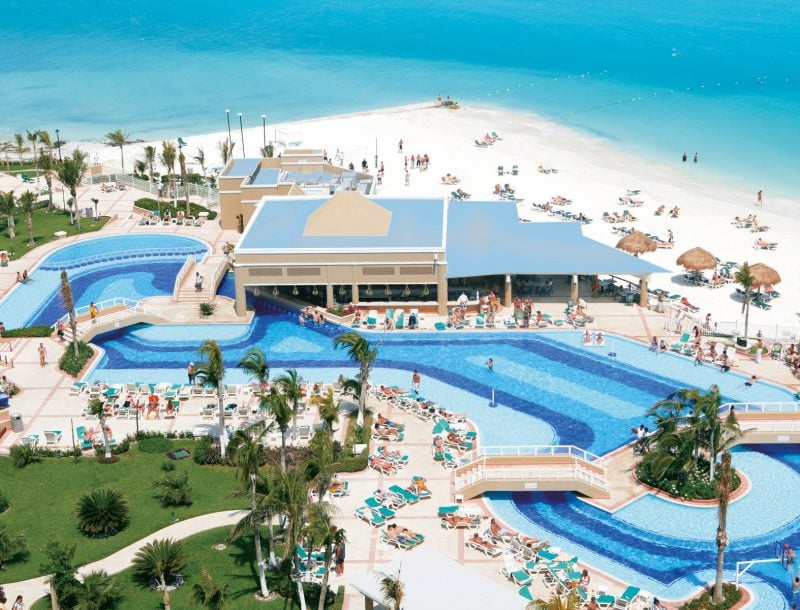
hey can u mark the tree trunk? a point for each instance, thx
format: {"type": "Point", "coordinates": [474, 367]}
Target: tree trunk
{"type": "Point", "coordinates": [167, 605]}
{"type": "Point", "coordinates": [283, 451]}
{"type": "Point", "coordinates": [362, 399]}
{"type": "Point", "coordinates": [50, 205]}
{"type": "Point", "coordinates": [272, 559]}
{"type": "Point", "coordinates": [723, 495]}
{"type": "Point", "coordinates": [301, 594]}
{"type": "Point", "coordinates": [262, 577]}
{"type": "Point", "coordinates": [74, 194]}
{"type": "Point", "coordinates": [11, 225]}
{"type": "Point", "coordinates": [54, 598]}
{"type": "Point", "coordinates": [122, 159]}
{"type": "Point", "coordinates": [223, 435]}
{"type": "Point", "coordinates": [29, 223]}
{"type": "Point", "coordinates": [747, 314]}
{"type": "Point", "coordinates": [324, 591]}
{"type": "Point", "coordinates": [105, 437]}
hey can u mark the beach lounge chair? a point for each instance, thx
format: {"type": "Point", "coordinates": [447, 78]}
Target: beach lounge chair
{"type": "Point", "coordinates": [501, 171]}
{"type": "Point", "coordinates": [383, 511]}
{"type": "Point", "coordinates": [32, 440]}
{"type": "Point", "coordinates": [26, 178]}
{"type": "Point", "coordinates": [495, 136]}
{"type": "Point", "coordinates": [389, 499]}
{"type": "Point", "coordinates": [776, 351]}
{"type": "Point", "coordinates": [480, 321]}
{"type": "Point", "coordinates": [162, 388]}
{"type": "Point", "coordinates": [480, 144]}
{"type": "Point", "coordinates": [400, 542]}
{"type": "Point", "coordinates": [304, 433]}
{"type": "Point", "coordinates": [340, 491]}
{"type": "Point", "coordinates": [411, 498]}
{"type": "Point", "coordinates": [515, 573]}
{"type": "Point", "coordinates": [440, 326]}
{"type": "Point", "coordinates": [399, 319]}
{"type": "Point", "coordinates": [451, 462]}
{"type": "Point", "coordinates": [52, 437]}
{"type": "Point", "coordinates": [515, 170]}
{"type": "Point", "coordinates": [231, 390]}
{"type": "Point", "coordinates": [209, 411]}
{"type": "Point", "coordinates": [626, 599]}
{"type": "Point", "coordinates": [471, 523]}
{"type": "Point", "coordinates": [484, 547]}
{"type": "Point", "coordinates": [77, 388]}
{"type": "Point", "coordinates": [303, 556]}
{"type": "Point", "coordinates": [680, 344]}
{"type": "Point", "coordinates": [80, 434]}
{"type": "Point", "coordinates": [372, 318]}
{"type": "Point", "coordinates": [370, 516]}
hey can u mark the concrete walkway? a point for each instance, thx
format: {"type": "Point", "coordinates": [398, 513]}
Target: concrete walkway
{"type": "Point", "coordinates": [34, 588]}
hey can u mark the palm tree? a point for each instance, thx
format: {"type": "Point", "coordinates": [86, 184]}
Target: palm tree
{"type": "Point", "coordinates": [247, 451]}
{"type": "Point", "coordinates": [10, 546]}
{"type": "Point", "coordinates": [322, 464]}
{"type": "Point", "coordinates": [745, 279]}
{"type": "Point", "coordinates": [361, 352]}
{"type": "Point", "coordinates": [48, 164]}
{"type": "Point", "coordinates": [291, 383]}
{"type": "Point", "coordinates": [97, 408]}
{"type": "Point", "coordinates": [723, 496]}
{"type": "Point", "coordinates": [255, 364]}
{"type": "Point", "coordinates": [212, 370]}
{"type": "Point", "coordinates": [33, 138]}
{"type": "Point", "coordinates": [182, 164]}
{"type": "Point", "coordinates": [168, 156]}
{"type": "Point", "coordinates": [572, 601]}
{"type": "Point", "coordinates": [71, 172]}
{"type": "Point", "coordinates": [328, 537]}
{"type": "Point", "coordinates": [200, 157]}
{"type": "Point", "coordinates": [282, 414]}
{"type": "Point", "coordinates": [69, 305]}
{"type": "Point", "coordinates": [291, 498]}
{"type": "Point", "coordinates": [393, 591]}
{"type": "Point", "coordinates": [19, 139]}
{"type": "Point", "coordinates": [102, 513]}
{"type": "Point", "coordinates": [226, 150]}
{"type": "Point", "coordinates": [139, 167]}
{"type": "Point", "coordinates": [4, 148]}
{"type": "Point", "coordinates": [8, 205]}
{"type": "Point", "coordinates": [328, 411]}
{"type": "Point", "coordinates": [119, 138]}
{"type": "Point", "coordinates": [208, 593]}
{"type": "Point", "coordinates": [174, 489]}
{"type": "Point", "coordinates": [150, 158]}
{"type": "Point", "coordinates": [27, 204]}
{"type": "Point", "coordinates": [159, 560]}
{"type": "Point", "coordinates": [98, 591]}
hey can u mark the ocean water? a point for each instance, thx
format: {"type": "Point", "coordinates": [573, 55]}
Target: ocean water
{"type": "Point", "coordinates": [713, 77]}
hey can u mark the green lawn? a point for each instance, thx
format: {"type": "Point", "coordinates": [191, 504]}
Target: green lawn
{"type": "Point", "coordinates": [43, 498]}
{"type": "Point", "coordinates": [44, 225]}
{"type": "Point", "coordinates": [234, 566]}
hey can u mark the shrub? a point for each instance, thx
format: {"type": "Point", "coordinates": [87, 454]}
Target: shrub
{"type": "Point", "coordinates": [168, 466]}
{"type": "Point", "coordinates": [174, 489]}
{"type": "Point", "coordinates": [694, 485]}
{"type": "Point", "coordinates": [730, 597]}
{"type": "Point", "coordinates": [207, 453]}
{"type": "Point", "coordinates": [118, 449]}
{"type": "Point", "coordinates": [155, 444]}
{"type": "Point", "coordinates": [153, 205]}
{"type": "Point", "coordinates": [102, 512]}
{"type": "Point", "coordinates": [207, 309]}
{"type": "Point", "coordinates": [41, 330]}
{"type": "Point", "coordinates": [355, 463]}
{"type": "Point", "coordinates": [71, 364]}
{"type": "Point", "coordinates": [4, 503]}
{"type": "Point", "coordinates": [22, 455]}
{"type": "Point", "coordinates": [12, 546]}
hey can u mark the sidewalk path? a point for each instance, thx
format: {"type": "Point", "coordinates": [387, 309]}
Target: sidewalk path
{"type": "Point", "coordinates": [34, 588]}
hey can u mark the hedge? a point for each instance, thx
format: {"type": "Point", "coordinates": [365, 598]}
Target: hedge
{"type": "Point", "coordinates": [42, 330]}
{"type": "Point", "coordinates": [730, 597]}
{"type": "Point", "coordinates": [153, 205]}
{"type": "Point", "coordinates": [71, 364]}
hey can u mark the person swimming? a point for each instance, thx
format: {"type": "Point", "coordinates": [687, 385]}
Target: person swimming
{"type": "Point", "coordinates": [490, 364]}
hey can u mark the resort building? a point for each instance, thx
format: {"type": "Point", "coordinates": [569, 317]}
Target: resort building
{"type": "Point", "coordinates": [243, 182]}
{"type": "Point", "coordinates": [420, 251]}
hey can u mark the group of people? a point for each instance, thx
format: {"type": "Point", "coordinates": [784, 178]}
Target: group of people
{"type": "Point", "coordinates": [23, 278]}
{"type": "Point", "coordinates": [420, 162]}
{"type": "Point", "coordinates": [309, 314]}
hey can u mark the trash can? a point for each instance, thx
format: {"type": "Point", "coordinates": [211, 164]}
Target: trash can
{"type": "Point", "coordinates": [16, 422]}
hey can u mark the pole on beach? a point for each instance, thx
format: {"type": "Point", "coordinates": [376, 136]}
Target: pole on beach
{"type": "Point", "coordinates": [241, 131]}
{"type": "Point", "coordinates": [264, 128]}
{"type": "Point", "coordinates": [228, 115]}
{"type": "Point", "coordinates": [58, 146]}
{"type": "Point", "coordinates": [376, 153]}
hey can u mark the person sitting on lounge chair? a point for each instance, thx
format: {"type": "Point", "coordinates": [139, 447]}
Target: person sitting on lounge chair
{"type": "Point", "coordinates": [380, 463]}
{"type": "Point", "coordinates": [386, 430]}
{"type": "Point", "coordinates": [389, 455]}
{"type": "Point", "coordinates": [501, 532]}
{"type": "Point", "coordinates": [448, 415]}
{"type": "Point", "coordinates": [382, 421]}
{"type": "Point", "coordinates": [454, 438]}
{"type": "Point", "coordinates": [765, 245]}
{"type": "Point", "coordinates": [419, 485]}
{"type": "Point", "coordinates": [456, 520]}
{"type": "Point", "coordinates": [660, 210]}
{"type": "Point", "coordinates": [476, 538]}
{"type": "Point", "coordinates": [438, 444]}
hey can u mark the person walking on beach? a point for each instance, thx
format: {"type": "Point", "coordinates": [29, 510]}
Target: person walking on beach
{"type": "Point", "coordinates": [670, 237]}
{"type": "Point", "coordinates": [400, 146]}
{"type": "Point", "coordinates": [408, 178]}
{"type": "Point", "coordinates": [759, 200]}
{"type": "Point", "coordinates": [42, 355]}
{"type": "Point", "coordinates": [695, 157]}
{"type": "Point", "coordinates": [685, 156]}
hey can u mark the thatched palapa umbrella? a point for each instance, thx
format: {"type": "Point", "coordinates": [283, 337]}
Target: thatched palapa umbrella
{"type": "Point", "coordinates": [697, 259]}
{"type": "Point", "coordinates": [637, 243]}
{"type": "Point", "coordinates": [764, 275]}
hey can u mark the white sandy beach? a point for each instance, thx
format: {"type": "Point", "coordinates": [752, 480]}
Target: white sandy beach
{"type": "Point", "coordinates": [592, 172]}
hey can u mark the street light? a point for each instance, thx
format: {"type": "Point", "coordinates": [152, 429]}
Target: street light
{"type": "Point", "coordinates": [228, 114]}
{"type": "Point", "coordinates": [241, 130]}
{"type": "Point", "coordinates": [264, 125]}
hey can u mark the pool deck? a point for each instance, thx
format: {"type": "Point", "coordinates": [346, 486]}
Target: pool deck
{"type": "Point", "coordinates": [45, 404]}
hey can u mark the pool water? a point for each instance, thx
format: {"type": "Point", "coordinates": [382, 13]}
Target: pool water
{"type": "Point", "coordinates": [127, 266]}
{"type": "Point", "coordinates": [548, 389]}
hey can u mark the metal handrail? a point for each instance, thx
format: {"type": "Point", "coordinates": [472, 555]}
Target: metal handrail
{"type": "Point", "coordinates": [760, 407]}
{"type": "Point", "coordinates": [537, 450]}
{"type": "Point", "coordinates": [187, 264]}
{"type": "Point", "coordinates": [101, 305]}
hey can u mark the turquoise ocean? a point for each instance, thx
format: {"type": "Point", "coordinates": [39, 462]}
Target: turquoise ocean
{"type": "Point", "coordinates": [655, 78]}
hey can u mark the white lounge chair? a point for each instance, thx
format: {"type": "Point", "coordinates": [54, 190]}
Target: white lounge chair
{"type": "Point", "coordinates": [52, 437]}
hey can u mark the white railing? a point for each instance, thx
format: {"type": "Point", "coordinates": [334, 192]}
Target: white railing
{"type": "Point", "coordinates": [101, 305]}
{"type": "Point", "coordinates": [219, 272]}
{"type": "Point", "coordinates": [760, 407]}
{"type": "Point", "coordinates": [128, 254]}
{"type": "Point", "coordinates": [537, 450]}
{"type": "Point", "coordinates": [211, 195]}
{"type": "Point", "coordinates": [484, 472]}
{"type": "Point", "coordinates": [771, 426]}
{"type": "Point", "coordinates": [187, 264]}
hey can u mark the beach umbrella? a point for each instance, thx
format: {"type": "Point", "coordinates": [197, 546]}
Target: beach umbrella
{"type": "Point", "coordinates": [764, 275]}
{"type": "Point", "coordinates": [637, 243]}
{"type": "Point", "coordinates": [697, 259]}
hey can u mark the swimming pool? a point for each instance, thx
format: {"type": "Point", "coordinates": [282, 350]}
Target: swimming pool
{"type": "Point", "coordinates": [548, 388]}
{"type": "Point", "coordinates": [129, 266]}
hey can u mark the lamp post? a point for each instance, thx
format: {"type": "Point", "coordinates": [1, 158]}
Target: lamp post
{"type": "Point", "coordinates": [264, 127]}
{"type": "Point", "coordinates": [241, 131]}
{"type": "Point", "coordinates": [228, 115]}
{"type": "Point", "coordinates": [58, 145]}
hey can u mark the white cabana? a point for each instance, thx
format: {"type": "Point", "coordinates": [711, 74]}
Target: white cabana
{"type": "Point", "coordinates": [432, 582]}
